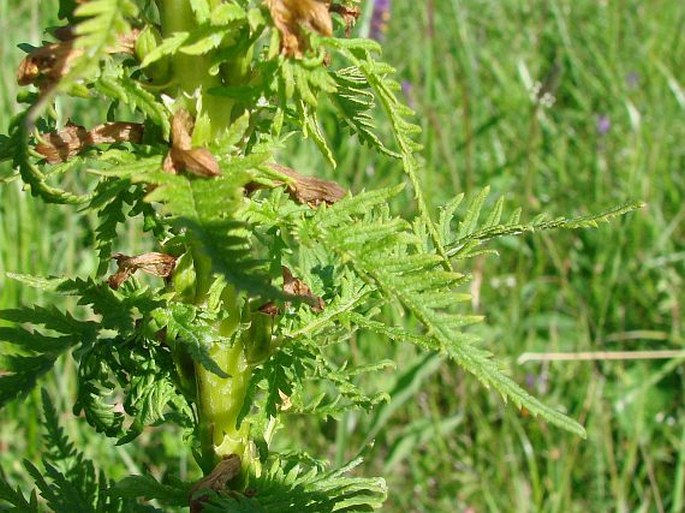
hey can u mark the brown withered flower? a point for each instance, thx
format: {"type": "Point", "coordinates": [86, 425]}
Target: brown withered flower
{"type": "Point", "coordinates": [216, 481]}
{"type": "Point", "coordinates": [293, 17]}
{"type": "Point", "coordinates": [156, 264]}
{"type": "Point", "coordinates": [182, 156]}
{"type": "Point", "coordinates": [61, 145]}
{"type": "Point", "coordinates": [294, 289]}
{"type": "Point", "coordinates": [350, 15]}
{"type": "Point", "coordinates": [308, 190]}
{"type": "Point", "coordinates": [44, 67]}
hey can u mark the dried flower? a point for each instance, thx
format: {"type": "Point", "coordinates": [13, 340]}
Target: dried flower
{"type": "Point", "coordinates": [304, 189]}
{"type": "Point", "coordinates": [45, 66]}
{"type": "Point", "coordinates": [292, 16]}
{"type": "Point", "coordinates": [182, 156]}
{"type": "Point", "coordinates": [310, 189]}
{"type": "Point", "coordinates": [216, 481]}
{"type": "Point", "coordinates": [157, 264]}
{"type": "Point", "coordinates": [62, 145]}
{"type": "Point", "coordinates": [294, 289]}
{"type": "Point", "coordinates": [349, 14]}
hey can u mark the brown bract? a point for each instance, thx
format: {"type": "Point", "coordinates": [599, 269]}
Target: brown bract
{"type": "Point", "coordinates": [309, 189]}
{"type": "Point", "coordinates": [61, 145]}
{"type": "Point", "coordinates": [350, 15]}
{"type": "Point", "coordinates": [216, 481]}
{"type": "Point", "coordinates": [182, 156]}
{"type": "Point", "coordinates": [293, 17]}
{"type": "Point", "coordinates": [157, 264]}
{"type": "Point", "coordinates": [296, 288]}
{"type": "Point", "coordinates": [45, 66]}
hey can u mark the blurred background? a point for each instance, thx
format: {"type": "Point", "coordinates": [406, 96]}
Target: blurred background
{"type": "Point", "coordinates": [562, 106]}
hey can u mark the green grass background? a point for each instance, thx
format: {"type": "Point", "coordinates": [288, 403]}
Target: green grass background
{"type": "Point", "coordinates": [443, 443]}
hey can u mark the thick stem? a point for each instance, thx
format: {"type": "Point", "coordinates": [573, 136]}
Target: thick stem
{"type": "Point", "coordinates": [192, 72]}
{"type": "Point", "coordinates": [219, 400]}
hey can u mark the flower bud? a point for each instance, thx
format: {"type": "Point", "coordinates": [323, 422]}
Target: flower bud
{"type": "Point", "coordinates": [257, 339]}
{"type": "Point", "coordinates": [184, 277]}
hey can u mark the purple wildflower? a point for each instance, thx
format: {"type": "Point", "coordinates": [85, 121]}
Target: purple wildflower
{"type": "Point", "coordinates": [538, 382]}
{"type": "Point", "coordinates": [633, 79]}
{"type": "Point", "coordinates": [379, 19]}
{"type": "Point", "coordinates": [407, 90]}
{"type": "Point", "coordinates": [603, 124]}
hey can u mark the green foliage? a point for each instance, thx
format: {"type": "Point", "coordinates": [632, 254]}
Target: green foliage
{"type": "Point", "coordinates": [307, 490]}
{"type": "Point", "coordinates": [247, 318]}
{"type": "Point", "coordinates": [286, 484]}
{"type": "Point", "coordinates": [101, 22]}
{"type": "Point", "coordinates": [114, 83]}
{"type": "Point", "coordinates": [356, 104]}
{"type": "Point", "coordinates": [388, 255]}
{"type": "Point", "coordinates": [69, 481]}
{"type": "Point", "coordinates": [23, 160]}
{"type": "Point", "coordinates": [30, 353]}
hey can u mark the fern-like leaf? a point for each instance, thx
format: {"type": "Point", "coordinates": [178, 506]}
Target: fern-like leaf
{"type": "Point", "coordinates": [115, 84]}
{"type": "Point", "coordinates": [295, 488]}
{"type": "Point", "coordinates": [171, 494]}
{"type": "Point", "coordinates": [30, 353]}
{"type": "Point", "coordinates": [359, 53]}
{"type": "Point", "coordinates": [383, 252]}
{"type": "Point", "coordinates": [109, 202]}
{"type": "Point", "coordinates": [103, 21]}
{"type": "Point", "coordinates": [355, 103]}
{"type": "Point", "coordinates": [185, 327]}
{"type": "Point", "coordinates": [471, 234]}
{"type": "Point", "coordinates": [14, 500]}
{"type": "Point", "coordinates": [24, 160]}
{"type": "Point", "coordinates": [200, 207]}
{"type": "Point", "coordinates": [69, 481]}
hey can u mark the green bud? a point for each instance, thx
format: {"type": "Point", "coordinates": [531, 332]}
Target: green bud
{"type": "Point", "coordinates": [203, 274]}
{"type": "Point", "coordinates": [257, 339]}
{"type": "Point", "coordinates": [229, 304]}
{"type": "Point", "coordinates": [184, 278]}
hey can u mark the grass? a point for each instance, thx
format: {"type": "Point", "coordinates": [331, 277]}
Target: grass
{"type": "Point", "coordinates": [443, 443]}
{"type": "Point", "coordinates": [49, 240]}
{"type": "Point", "coordinates": [618, 287]}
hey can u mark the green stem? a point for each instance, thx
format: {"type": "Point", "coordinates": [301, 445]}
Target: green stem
{"type": "Point", "coordinates": [191, 72]}
{"type": "Point", "coordinates": [219, 400]}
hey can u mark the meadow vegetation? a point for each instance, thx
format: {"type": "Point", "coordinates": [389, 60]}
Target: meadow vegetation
{"type": "Point", "coordinates": [561, 106]}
